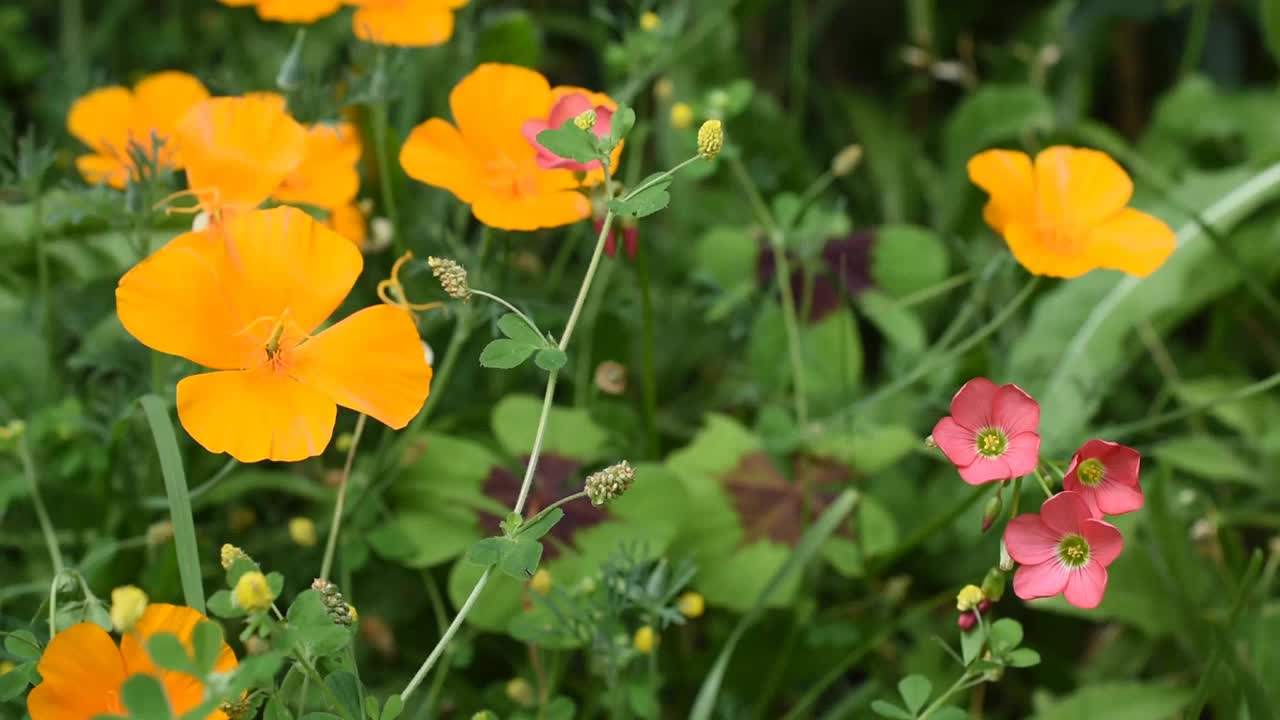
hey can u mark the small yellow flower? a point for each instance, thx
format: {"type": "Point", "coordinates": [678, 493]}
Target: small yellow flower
{"type": "Point", "coordinates": [541, 582]}
{"type": "Point", "coordinates": [520, 691]}
{"type": "Point", "coordinates": [127, 605]}
{"type": "Point", "coordinates": [645, 640]}
{"type": "Point", "coordinates": [230, 553]}
{"type": "Point", "coordinates": [6, 667]}
{"type": "Point", "coordinates": [650, 22]}
{"type": "Point", "coordinates": [253, 593]}
{"type": "Point", "coordinates": [586, 120]}
{"type": "Point", "coordinates": [710, 139]}
{"type": "Point", "coordinates": [355, 616]}
{"type": "Point", "coordinates": [681, 116]}
{"type": "Point", "coordinates": [969, 597]}
{"type": "Point", "coordinates": [302, 531]}
{"type": "Point", "coordinates": [691, 605]}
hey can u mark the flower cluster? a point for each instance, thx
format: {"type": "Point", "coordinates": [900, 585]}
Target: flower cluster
{"type": "Point", "coordinates": [403, 23]}
{"type": "Point", "coordinates": [991, 436]}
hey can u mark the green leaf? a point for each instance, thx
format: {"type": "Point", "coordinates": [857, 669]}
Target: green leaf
{"type": "Point", "coordinates": [371, 707]}
{"type": "Point", "coordinates": [238, 568]}
{"type": "Point", "coordinates": [646, 202]}
{"type": "Point", "coordinates": [571, 142]}
{"type": "Point", "coordinates": [503, 354]}
{"type": "Point", "coordinates": [257, 671]}
{"type": "Point", "coordinates": [877, 527]}
{"type": "Point", "coordinates": [514, 327]}
{"type": "Point", "coordinates": [906, 259]}
{"type": "Point", "coordinates": [889, 710]}
{"type": "Point", "coordinates": [420, 539]}
{"type": "Point", "coordinates": [320, 716]}
{"type": "Point", "coordinates": [16, 681]}
{"type": "Point", "coordinates": [1023, 658]}
{"type": "Point", "coordinates": [950, 712]}
{"type": "Point", "coordinates": [1208, 457]}
{"type": "Point", "coordinates": [972, 642]}
{"type": "Point", "coordinates": [570, 431]}
{"type": "Point", "coordinates": [521, 559]}
{"type": "Point", "coordinates": [1117, 701]}
{"type": "Point", "coordinates": [488, 551]}
{"type": "Point", "coordinates": [221, 604]}
{"type": "Point", "coordinates": [900, 325]}
{"type": "Point", "coordinates": [542, 525]}
{"type": "Point", "coordinates": [624, 118]}
{"type": "Point", "coordinates": [276, 709]}
{"type": "Point", "coordinates": [22, 644]}
{"type": "Point", "coordinates": [1006, 634]}
{"type": "Point", "coordinates": [1270, 11]}
{"type": "Point", "coordinates": [346, 688]}
{"type": "Point", "coordinates": [915, 691]}
{"type": "Point", "coordinates": [313, 627]}
{"type": "Point", "coordinates": [175, 488]}
{"type": "Point", "coordinates": [551, 359]}
{"type": "Point", "coordinates": [392, 708]}
{"type": "Point", "coordinates": [144, 698]}
{"type": "Point", "coordinates": [168, 652]}
{"type": "Point", "coordinates": [206, 641]}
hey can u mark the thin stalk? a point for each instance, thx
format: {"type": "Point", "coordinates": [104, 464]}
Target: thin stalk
{"type": "Point", "coordinates": [42, 514]}
{"type": "Point", "coordinates": [448, 634]}
{"type": "Point", "coordinates": [960, 684]}
{"type": "Point", "coordinates": [538, 436]}
{"type": "Point", "coordinates": [556, 504]}
{"type": "Point", "coordinates": [1119, 431]}
{"type": "Point", "coordinates": [331, 545]}
{"type": "Point", "coordinates": [437, 609]}
{"type": "Point", "coordinates": [1201, 10]}
{"type": "Point", "coordinates": [1044, 484]}
{"type": "Point", "coordinates": [527, 321]}
{"type": "Point", "coordinates": [926, 294]}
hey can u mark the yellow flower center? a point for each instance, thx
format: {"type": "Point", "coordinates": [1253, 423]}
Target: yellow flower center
{"type": "Point", "coordinates": [1091, 472]}
{"type": "Point", "coordinates": [1073, 551]}
{"type": "Point", "coordinates": [276, 335]}
{"type": "Point", "coordinates": [992, 442]}
{"type": "Point", "coordinates": [1061, 239]}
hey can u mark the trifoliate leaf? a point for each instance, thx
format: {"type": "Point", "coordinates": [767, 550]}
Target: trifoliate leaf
{"type": "Point", "coordinates": [504, 354]}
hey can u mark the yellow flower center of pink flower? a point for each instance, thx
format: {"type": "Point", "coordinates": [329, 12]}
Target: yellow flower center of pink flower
{"type": "Point", "coordinates": [1091, 472]}
{"type": "Point", "coordinates": [991, 442]}
{"type": "Point", "coordinates": [1073, 551]}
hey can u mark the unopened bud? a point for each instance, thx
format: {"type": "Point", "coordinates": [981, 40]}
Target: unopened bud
{"type": "Point", "coordinates": [340, 611]}
{"type": "Point", "coordinates": [303, 531]}
{"type": "Point", "coordinates": [609, 484]}
{"type": "Point", "coordinates": [710, 139]}
{"type": "Point", "coordinates": [252, 592]}
{"type": "Point", "coordinates": [521, 692]}
{"type": "Point", "coordinates": [992, 512]}
{"type": "Point", "coordinates": [1006, 562]}
{"type": "Point", "coordinates": [159, 533]}
{"type": "Point", "coordinates": [846, 161]}
{"type": "Point", "coordinates": [611, 377]}
{"type": "Point", "coordinates": [586, 120]}
{"type": "Point", "coordinates": [966, 621]}
{"type": "Point", "coordinates": [452, 277]}
{"type": "Point", "coordinates": [691, 605]}
{"type": "Point", "coordinates": [993, 584]}
{"type": "Point", "coordinates": [230, 554]}
{"type": "Point", "coordinates": [256, 645]}
{"type": "Point", "coordinates": [381, 234]}
{"type": "Point", "coordinates": [645, 640]}
{"type": "Point", "coordinates": [127, 605]}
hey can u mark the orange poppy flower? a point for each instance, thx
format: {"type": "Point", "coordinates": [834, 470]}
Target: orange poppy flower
{"type": "Point", "coordinates": [111, 119]}
{"type": "Point", "coordinates": [407, 23]}
{"type": "Point", "coordinates": [290, 11]}
{"type": "Point", "coordinates": [1066, 214]}
{"type": "Point", "coordinates": [487, 162]}
{"type": "Point", "coordinates": [348, 221]}
{"type": "Point", "coordinates": [83, 670]}
{"type": "Point", "coordinates": [237, 150]}
{"type": "Point", "coordinates": [246, 298]}
{"type": "Point", "coordinates": [327, 177]}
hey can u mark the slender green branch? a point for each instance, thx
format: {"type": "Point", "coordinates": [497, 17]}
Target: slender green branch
{"type": "Point", "coordinates": [527, 320]}
{"type": "Point", "coordinates": [448, 634]}
{"type": "Point", "coordinates": [42, 514]}
{"type": "Point", "coordinates": [332, 543]}
{"type": "Point", "coordinates": [960, 684]}
{"type": "Point", "coordinates": [556, 504]}
{"type": "Point", "coordinates": [1128, 429]}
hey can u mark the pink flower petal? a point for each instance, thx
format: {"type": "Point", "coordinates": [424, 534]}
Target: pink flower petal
{"type": "Point", "coordinates": [1111, 498]}
{"type": "Point", "coordinates": [971, 406]}
{"type": "Point", "coordinates": [568, 108]}
{"type": "Point", "coordinates": [1022, 453]}
{"type": "Point", "coordinates": [1085, 586]}
{"type": "Point", "coordinates": [1040, 580]}
{"type": "Point", "coordinates": [604, 121]}
{"type": "Point", "coordinates": [530, 130]}
{"type": "Point", "coordinates": [1122, 462]}
{"type": "Point", "coordinates": [1014, 411]}
{"type": "Point", "coordinates": [1064, 512]}
{"type": "Point", "coordinates": [956, 442]}
{"type": "Point", "coordinates": [1105, 541]}
{"type": "Point", "coordinates": [1029, 541]}
{"type": "Point", "coordinates": [984, 470]}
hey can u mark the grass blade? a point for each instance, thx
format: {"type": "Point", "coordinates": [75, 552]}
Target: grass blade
{"type": "Point", "coordinates": [808, 546]}
{"type": "Point", "coordinates": [175, 488]}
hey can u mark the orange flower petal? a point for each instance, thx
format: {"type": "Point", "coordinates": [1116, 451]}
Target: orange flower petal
{"type": "Point", "coordinates": [327, 176]}
{"type": "Point", "coordinates": [532, 212]}
{"type": "Point", "coordinates": [371, 362]}
{"type": "Point", "coordinates": [256, 415]}
{"type": "Point", "coordinates": [164, 98]}
{"type": "Point", "coordinates": [238, 150]}
{"type": "Point", "coordinates": [1041, 258]}
{"type": "Point", "coordinates": [1133, 242]}
{"type": "Point", "coordinates": [406, 23]}
{"type": "Point", "coordinates": [284, 259]}
{"type": "Point", "coordinates": [103, 119]}
{"type": "Point", "coordinates": [297, 11]}
{"type": "Point", "coordinates": [184, 691]}
{"type": "Point", "coordinates": [436, 154]}
{"type": "Point", "coordinates": [1006, 176]}
{"type": "Point", "coordinates": [81, 673]}
{"type": "Point", "coordinates": [107, 169]}
{"type": "Point", "coordinates": [1078, 187]}
{"type": "Point", "coordinates": [491, 104]}
{"type": "Point", "coordinates": [178, 301]}
{"type": "Point", "coordinates": [348, 221]}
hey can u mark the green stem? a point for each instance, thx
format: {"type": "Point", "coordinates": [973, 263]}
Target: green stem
{"type": "Point", "coordinates": [554, 505]}
{"type": "Point", "coordinates": [42, 514]}
{"type": "Point", "coordinates": [527, 321]}
{"type": "Point", "coordinates": [926, 294]}
{"type": "Point", "coordinates": [448, 634]}
{"type": "Point", "coordinates": [959, 685]}
{"type": "Point", "coordinates": [1128, 429]}
{"type": "Point", "coordinates": [649, 382]}
{"type": "Point", "coordinates": [1044, 484]}
{"type": "Point", "coordinates": [381, 143]}
{"type": "Point", "coordinates": [1201, 10]}
{"type": "Point", "coordinates": [1015, 502]}
{"type": "Point", "coordinates": [331, 544]}
{"type": "Point", "coordinates": [442, 621]}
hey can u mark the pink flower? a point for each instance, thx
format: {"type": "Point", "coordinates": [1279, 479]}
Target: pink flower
{"type": "Point", "coordinates": [566, 108]}
{"type": "Point", "coordinates": [1064, 549]}
{"type": "Point", "coordinates": [991, 432]}
{"type": "Point", "coordinates": [1106, 476]}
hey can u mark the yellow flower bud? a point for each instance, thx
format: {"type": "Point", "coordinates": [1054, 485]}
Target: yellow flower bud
{"type": "Point", "coordinates": [710, 139]}
{"type": "Point", "coordinates": [253, 593]}
{"type": "Point", "coordinates": [521, 692]}
{"type": "Point", "coordinates": [681, 116]}
{"type": "Point", "coordinates": [302, 531]}
{"type": "Point", "coordinates": [650, 22]}
{"type": "Point", "coordinates": [691, 605]}
{"type": "Point", "coordinates": [846, 161]}
{"type": "Point", "coordinates": [355, 616]}
{"type": "Point", "coordinates": [969, 597]}
{"type": "Point", "coordinates": [645, 640]}
{"type": "Point", "coordinates": [586, 120]}
{"type": "Point", "coordinates": [127, 605]}
{"type": "Point", "coordinates": [230, 553]}
{"type": "Point", "coordinates": [541, 582]}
